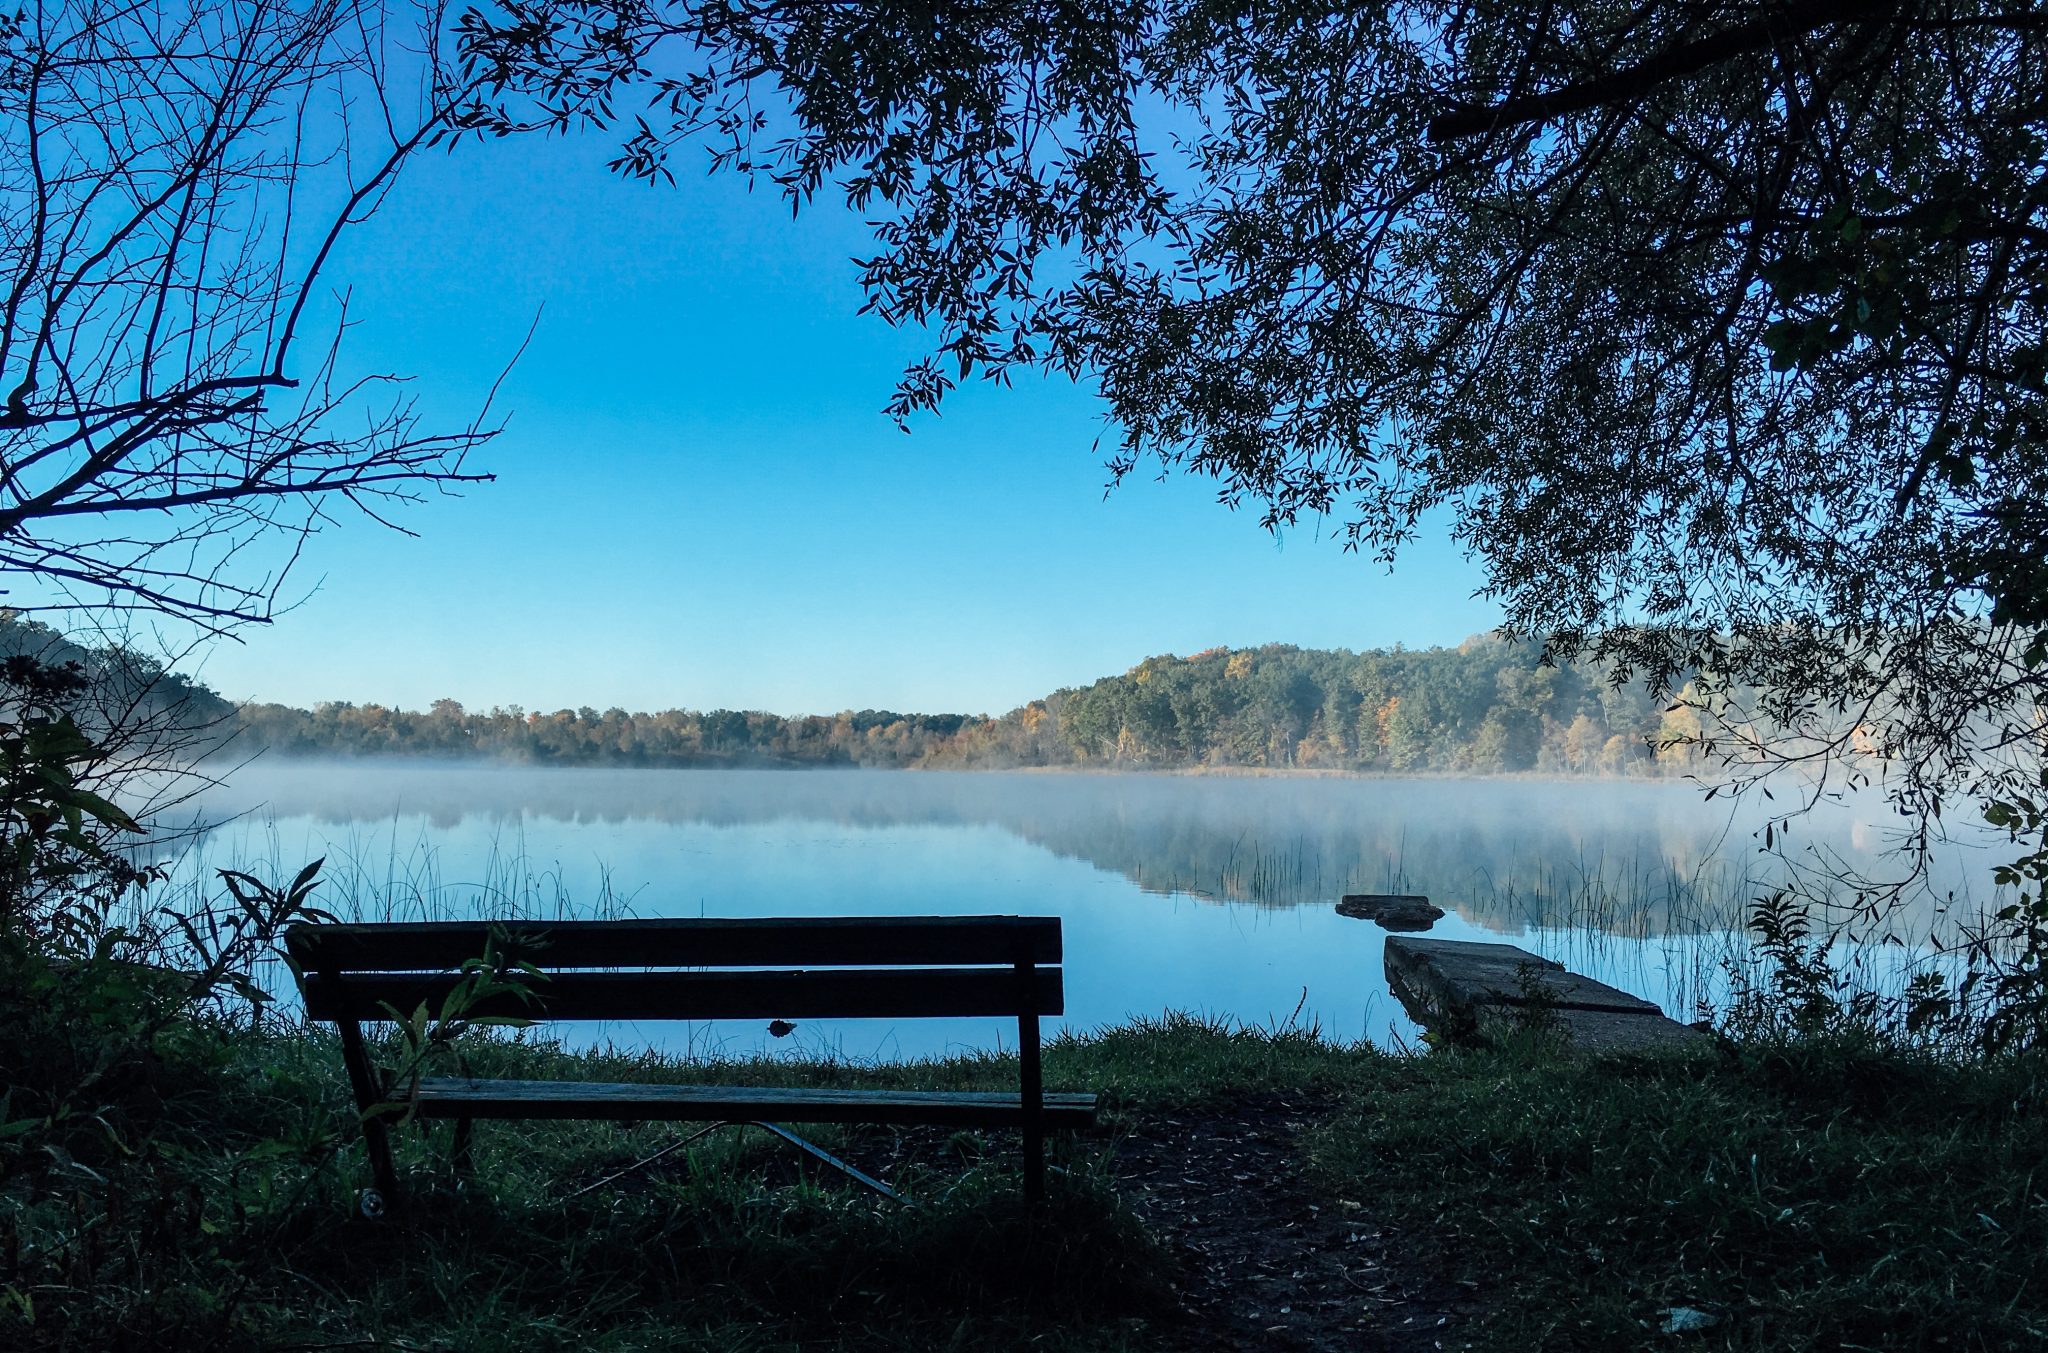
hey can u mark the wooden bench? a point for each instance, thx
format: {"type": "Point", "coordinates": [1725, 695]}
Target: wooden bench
{"type": "Point", "coordinates": [772, 969]}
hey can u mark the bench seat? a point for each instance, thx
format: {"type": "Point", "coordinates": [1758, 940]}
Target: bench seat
{"type": "Point", "coordinates": [458, 1097]}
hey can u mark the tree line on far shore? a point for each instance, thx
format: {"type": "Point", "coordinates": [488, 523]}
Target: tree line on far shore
{"type": "Point", "coordinates": [1484, 707]}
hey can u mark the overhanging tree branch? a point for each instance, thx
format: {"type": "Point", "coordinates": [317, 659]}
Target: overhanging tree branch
{"type": "Point", "coordinates": [160, 164]}
{"type": "Point", "coordinates": [1780, 22]}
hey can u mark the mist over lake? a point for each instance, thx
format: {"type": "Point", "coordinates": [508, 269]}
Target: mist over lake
{"type": "Point", "coordinates": [1206, 894]}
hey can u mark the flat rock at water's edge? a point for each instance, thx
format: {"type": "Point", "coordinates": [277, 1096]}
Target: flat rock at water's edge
{"type": "Point", "coordinates": [1451, 988]}
{"type": "Point", "coordinates": [1393, 911]}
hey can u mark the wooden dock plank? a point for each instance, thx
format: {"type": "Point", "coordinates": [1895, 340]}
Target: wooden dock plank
{"type": "Point", "coordinates": [1453, 988]}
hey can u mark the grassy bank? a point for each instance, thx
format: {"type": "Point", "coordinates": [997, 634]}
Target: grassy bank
{"type": "Point", "coordinates": [1815, 1195]}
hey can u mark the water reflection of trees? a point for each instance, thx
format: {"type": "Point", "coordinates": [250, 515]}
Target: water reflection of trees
{"type": "Point", "coordinates": [1628, 859]}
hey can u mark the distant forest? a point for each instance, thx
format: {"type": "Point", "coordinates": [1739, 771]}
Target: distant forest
{"type": "Point", "coordinates": [1484, 707]}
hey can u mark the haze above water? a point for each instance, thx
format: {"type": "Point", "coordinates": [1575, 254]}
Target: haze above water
{"type": "Point", "coordinates": [1206, 894]}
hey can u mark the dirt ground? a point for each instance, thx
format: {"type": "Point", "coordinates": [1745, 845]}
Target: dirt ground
{"type": "Point", "coordinates": [1267, 1262]}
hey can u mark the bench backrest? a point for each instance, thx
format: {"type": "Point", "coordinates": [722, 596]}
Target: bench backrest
{"type": "Point", "coordinates": [783, 967]}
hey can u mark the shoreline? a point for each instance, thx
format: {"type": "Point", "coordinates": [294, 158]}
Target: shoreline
{"type": "Point", "coordinates": [268, 757]}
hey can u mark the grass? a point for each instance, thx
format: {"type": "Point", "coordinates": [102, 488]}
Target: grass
{"type": "Point", "coordinates": [1805, 1195]}
{"type": "Point", "coordinates": [1819, 1194]}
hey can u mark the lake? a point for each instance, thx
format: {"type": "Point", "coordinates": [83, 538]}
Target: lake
{"type": "Point", "coordinates": [1205, 894]}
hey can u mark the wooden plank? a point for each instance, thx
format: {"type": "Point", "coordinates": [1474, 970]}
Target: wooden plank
{"type": "Point", "coordinates": [434, 946]}
{"type": "Point", "coordinates": [876, 993]}
{"type": "Point", "coordinates": [1470, 951]}
{"type": "Point", "coordinates": [455, 1097]}
{"type": "Point", "coordinates": [1500, 974]}
{"type": "Point", "coordinates": [1609, 1031]}
{"type": "Point", "coordinates": [1460, 990]}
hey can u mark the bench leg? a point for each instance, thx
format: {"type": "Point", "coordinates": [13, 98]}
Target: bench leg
{"type": "Point", "coordinates": [377, 1139]}
{"type": "Point", "coordinates": [363, 1080]}
{"type": "Point", "coordinates": [1034, 1167]}
{"type": "Point", "coordinates": [1032, 1094]}
{"type": "Point", "coordinates": [458, 1151]}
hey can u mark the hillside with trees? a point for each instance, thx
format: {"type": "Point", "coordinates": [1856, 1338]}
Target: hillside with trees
{"type": "Point", "coordinates": [1484, 707]}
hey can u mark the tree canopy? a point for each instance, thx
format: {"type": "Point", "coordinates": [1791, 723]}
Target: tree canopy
{"type": "Point", "coordinates": [1714, 326]}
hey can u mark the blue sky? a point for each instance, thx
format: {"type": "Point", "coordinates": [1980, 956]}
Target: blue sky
{"type": "Point", "coordinates": [699, 503]}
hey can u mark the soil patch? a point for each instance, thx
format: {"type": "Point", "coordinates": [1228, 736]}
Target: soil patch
{"type": "Point", "coordinates": [1265, 1260]}
{"type": "Point", "coordinates": [1268, 1261]}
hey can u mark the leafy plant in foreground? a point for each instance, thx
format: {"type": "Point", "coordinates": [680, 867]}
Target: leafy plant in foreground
{"type": "Point", "coordinates": [116, 1018]}
{"type": "Point", "coordinates": [2015, 953]}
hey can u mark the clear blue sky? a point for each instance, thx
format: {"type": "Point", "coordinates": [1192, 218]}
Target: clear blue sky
{"type": "Point", "coordinates": [699, 503]}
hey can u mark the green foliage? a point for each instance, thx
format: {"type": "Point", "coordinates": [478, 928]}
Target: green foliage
{"type": "Point", "coordinates": [2011, 959]}
{"type": "Point", "coordinates": [1984, 998]}
{"type": "Point", "coordinates": [58, 870]}
{"type": "Point", "coordinates": [1801, 992]}
{"type": "Point", "coordinates": [720, 737]}
{"type": "Point", "coordinates": [424, 1032]}
{"type": "Point", "coordinates": [113, 1014]}
{"type": "Point", "coordinates": [1180, 1061]}
{"type": "Point", "coordinates": [112, 688]}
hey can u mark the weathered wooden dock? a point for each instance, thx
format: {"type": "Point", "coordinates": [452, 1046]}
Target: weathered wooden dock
{"type": "Point", "coordinates": [1462, 991]}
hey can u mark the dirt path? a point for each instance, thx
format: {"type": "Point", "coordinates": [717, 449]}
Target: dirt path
{"type": "Point", "coordinates": [1267, 1262]}
{"type": "Point", "coordinates": [1263, 1260]}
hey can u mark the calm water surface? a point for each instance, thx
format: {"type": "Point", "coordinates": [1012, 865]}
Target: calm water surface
{"type": "Point", "coordinates": [1210, 895]}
